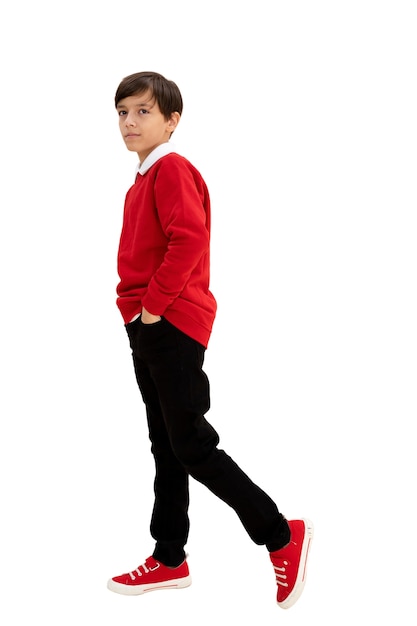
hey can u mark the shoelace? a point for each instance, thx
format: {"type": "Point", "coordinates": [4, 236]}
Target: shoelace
{"type": "Point", "coordinates": [280, 574]}
{"type": "Point", "coordinates": [145, 569]}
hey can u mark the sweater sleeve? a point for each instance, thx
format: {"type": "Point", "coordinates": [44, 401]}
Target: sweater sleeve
{"type": "Point", "coordinates": [180, 197]}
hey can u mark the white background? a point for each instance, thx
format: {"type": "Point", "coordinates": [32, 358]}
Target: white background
{"type": "Point", "coordinates": [301, 116]}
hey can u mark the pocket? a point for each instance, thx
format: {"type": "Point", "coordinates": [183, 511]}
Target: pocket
{"type": "Point", "coordinates": [154, 342]}
{"type": "Point", "coordinates": [151, 324]}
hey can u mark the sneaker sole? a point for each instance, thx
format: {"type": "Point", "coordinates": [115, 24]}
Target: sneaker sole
{"type": "Point", "coordinates": [137, 590]}
{"type": "Point", "coordinates": [302, 569]}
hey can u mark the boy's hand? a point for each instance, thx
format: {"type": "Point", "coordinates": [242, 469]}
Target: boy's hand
{"type": "Point", "coordinates": [148, 318]}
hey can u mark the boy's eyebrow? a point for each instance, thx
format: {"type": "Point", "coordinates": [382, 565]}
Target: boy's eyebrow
{"type": "Point", "coordinates": [148, 104]}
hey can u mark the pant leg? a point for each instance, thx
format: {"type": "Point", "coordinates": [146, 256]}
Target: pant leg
{"type": "Point", "coordinates": [175, 364]}
{"type": "Point", "coordinates": [169, 522]}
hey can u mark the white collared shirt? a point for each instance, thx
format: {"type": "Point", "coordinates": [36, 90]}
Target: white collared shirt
{"type": "Point", "coordinates": [160, 151]}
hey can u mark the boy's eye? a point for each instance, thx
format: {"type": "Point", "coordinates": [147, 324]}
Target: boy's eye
{"type": "Point", "coordinates": [121, 113]}
{"type": "Point", "coordinates": [141, 111]}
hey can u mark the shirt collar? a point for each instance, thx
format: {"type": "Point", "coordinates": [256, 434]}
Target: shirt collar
{"type": "Point", "coordinates": [160, 151]}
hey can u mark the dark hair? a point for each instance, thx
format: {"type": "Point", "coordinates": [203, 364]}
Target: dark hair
{"type": "Point", "coordinates": [165, 92]}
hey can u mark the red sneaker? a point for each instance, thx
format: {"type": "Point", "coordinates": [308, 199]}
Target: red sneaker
{"type": "Point", "coordinates": [150, 576]}
{"type": "Point", "coordinates": [290, 563]}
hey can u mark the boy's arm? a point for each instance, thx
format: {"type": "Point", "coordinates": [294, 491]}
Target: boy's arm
{"type": "Point", "coordinates": [183, 217]}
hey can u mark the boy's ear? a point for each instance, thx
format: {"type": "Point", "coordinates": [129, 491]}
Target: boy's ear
{"type": "Point", "coordinates": [173, 121]}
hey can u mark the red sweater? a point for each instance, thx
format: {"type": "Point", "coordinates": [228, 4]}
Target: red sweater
{"type": "Point", "coordinates": [164, 250]}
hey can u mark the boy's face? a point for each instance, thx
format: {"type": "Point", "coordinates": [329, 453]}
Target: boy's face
{"type": "Point", "coordinates": [142, 124]}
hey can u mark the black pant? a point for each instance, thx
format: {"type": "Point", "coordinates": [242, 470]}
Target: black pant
{"type": "Point", "coordinates": [168, 366]}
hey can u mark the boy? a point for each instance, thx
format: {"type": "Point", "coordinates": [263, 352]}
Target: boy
{"type": "Point", "coordinates": [168, 309]}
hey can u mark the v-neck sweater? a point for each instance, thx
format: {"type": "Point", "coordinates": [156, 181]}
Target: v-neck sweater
{"type": "Point", "coordinates": [164, 249]}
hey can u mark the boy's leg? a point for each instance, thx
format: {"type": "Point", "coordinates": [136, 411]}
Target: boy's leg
{"type": "Point", "coordinates": [169, 523]}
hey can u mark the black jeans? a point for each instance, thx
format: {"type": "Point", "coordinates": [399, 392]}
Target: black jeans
{"type": "Point", "coordinates": [169, 371]}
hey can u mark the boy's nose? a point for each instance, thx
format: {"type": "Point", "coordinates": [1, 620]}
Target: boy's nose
{"type": "Point", "coordinates": [129, 120]}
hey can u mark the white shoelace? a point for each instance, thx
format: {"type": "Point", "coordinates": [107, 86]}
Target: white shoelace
{"type": "Point", "coordinates": [280, 574]}
{"type": "Point", "coordinates": [145, 570]}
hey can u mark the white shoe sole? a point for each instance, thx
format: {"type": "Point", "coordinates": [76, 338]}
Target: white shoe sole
{"type": "Point", "coordinates": [302, 569]}
{"type": "Point", "coordinates": [137, 590]}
